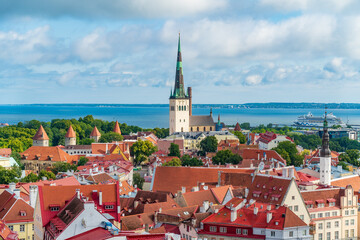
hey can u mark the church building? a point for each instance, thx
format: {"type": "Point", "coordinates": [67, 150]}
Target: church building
{"type": "Point", "coordinates": [180, 103]}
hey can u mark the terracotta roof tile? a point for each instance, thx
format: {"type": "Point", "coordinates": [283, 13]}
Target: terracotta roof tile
{"type": "Point", "coordinates": [220, 192]}
{"type": "Point", "coordinates": [117, 128]}
{"type": "Point", "coordinates": [70, 133]}
{"type": "Point", "coordinates": [41, 134]}
{"type": "Point", "coordinates": [100, 178]}
{"type": "Point", "coordinates": [69, 181]}
{"type": "Point", "coordinates": [354, 181]}
{"type": "Point", "coordinates": [324, 195]}
{"type": "Point", "coordinates": [197, 198]}
{"type": "Point", "coordinates": [95, 132]}
{"type": "Point", "coordinates": [237, 127]}
{"type": "Point", "coordinates": [54, 154]}
{"type": "Point", "coordinates": [10, 208]}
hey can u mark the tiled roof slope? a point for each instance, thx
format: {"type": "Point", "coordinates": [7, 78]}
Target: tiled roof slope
{"type": "Point", "coordinates": [54, 154]}
{"type": "Point", "coordinates": [41, 134]}
{"type": "Point", "coordinates": [117, 128]}
{"type": "Point", "coordinates": [70, 133]}
{"type": "Point", "coordinates": [188, 177]}
{"type": "Point", "coordinates": [95, 132]}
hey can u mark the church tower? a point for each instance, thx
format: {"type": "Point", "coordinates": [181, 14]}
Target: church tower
{"type": "Point", "coordinates": [325, 156]}
{"type": "Point", "coordinates": [179, 100]}
{"type": "Point", "coordinates": [41, 138]}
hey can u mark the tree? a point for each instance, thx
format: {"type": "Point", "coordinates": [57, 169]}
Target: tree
{"type": "Point", "coordinates": [245, 125]}
{"type": "Point", "coordinates": [110, 137]}
{"type": "Point", "coordinates": [208, 144]}
{"type": "Point", "coordinates": [31, 177]}
{"type": "Point", "coordinates": [62, 167]}
{"type": "Point", "coordinates": [226, 156]}
{"type": "Point", "coordinates": [174, 150]}
{"type": "Point", "coordinates": [344, 157]}
{"type": "Point", "coordinates": [8, 175]}
{"type": "Point", "coordinates": [47, 174]}
{"type": "Point", "coordinates": [354, 154]}
{"type": "Point", "coordinates": [175, 162]}
{"type": "Point", "coordinates": [86, 141]}
{"type": "Point", "coordinates": [290, 148]}
{"type": "Point", "coordinates": [343, 165]}
{"type": "Point", "coordinates": [186, 160]}
{"type": "Point", "coordinates": [17, 158]}
{"type": "Point", "coordinates": [240, 136]}
{"type": "Point", "coordinates": [82, 161]}
{"type": "Point", "coordinates": [141, 150]}
{"type": "Point", "coordinates": [138, 180]}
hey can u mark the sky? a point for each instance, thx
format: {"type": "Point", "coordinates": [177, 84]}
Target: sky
{"type": "Point", "coordinates": [124, 52]}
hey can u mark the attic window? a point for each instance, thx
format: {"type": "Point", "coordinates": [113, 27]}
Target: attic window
{"type": "Point", "coordinates": [186, 213]}
{"type": "Point", "coordinates": [274, 188]}
{"type": "Point", "coordinates": [22, 213]}
{"type": "Point", "coordinates": [276, 223]}
{"type": "Point", "coordinates": [264, 186]}
{"type": "Point", "coordinates": [258, 185]}
{"type": "Point", "coordinates": [280, 189]}
{"type": "Point", "coordinates": [109, 206]}
{"type": "Point", "coordinates": [54, 208]}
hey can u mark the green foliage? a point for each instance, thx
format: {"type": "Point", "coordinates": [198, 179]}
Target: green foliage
{"type": "Point", "coordinates": [31, 177]}
{"type": "Point", "coordinates": [141, 150]}
{"type": "Point", "coordinates": [175, 162]}
{"type": "Point", "coordinates": [174, 150]}
{"type": "Point", "coordinates": [110, 137]}
{"type": "Point", "coordinates": [138, 180]}
{"type": "Point", "coordinates": [17, 158]}
{"type": "Point", "coordinates": [306, 141]}
{"type": "Point", "coordinates": [86, 141]}
{"type": "Point", "coordinates": [9, 175]}
{"type": "Point", "coordinates": [343, 165]}
{"type": "Point", "coordinates": [278, 130]}
{"type": "Point", "coordinates": [186, 160]}
{"type": "Point", "coordinates": [47, 174]}
{"type": "Point", "coordinates": [226, 156]}
{"type": "Point", "coordinates": [82, 161]}
{"type": "Point", "coordinates": [240, 136]}
{"type": "Point", "coordinates": [245, 125]}
{"type": "Point", "coordinates": [343, 144]}
{"type": "Point", "coordinates": [62, 167]}
{"type": "Point", "coordinates": [350, 156]}
{"type": "Point", "coordinates": [160, 132]}
{"type": "Point", "coordinates": [292, 158]}
{"type": "Point", "coordinates": [208, 144]}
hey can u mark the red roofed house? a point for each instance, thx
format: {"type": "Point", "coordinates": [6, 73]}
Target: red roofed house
{"type": "Point", "coordinates": [70, 137]}
{"type": "Point", "coordinates": [253, 220]}
{"type": "Point", "coordinates": [237, 127]}
{"type": "Point", "coordinates": [41, 138]}
{"type": "Point", "coordinates": [5, 152]}
{"type": "Point", "coordinates": [17, 214]}
{"type": "Point", "coordinates": [95, 134]}
{"type": "Point", "coordinates": [314, 158]}
{"type": "Point", "coordinates": [38, 158]}
{"type": "Point", "coordinates": [270, 140]}
{"type": "Point", "coordinates": [333, 212]}
{"type": "Point", "coordinates": [52, 200]}
{"type": "Point", "coordinates": [6, 233]}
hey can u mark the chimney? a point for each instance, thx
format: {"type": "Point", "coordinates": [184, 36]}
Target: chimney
{"type": "Point", "coordinates": [268, 207]}
{"type": "Point", "coordinates": [78, 193]}
{"type": "Point", "coordinates": [256, 210]}
{"type": "Point", "coordinates": [291, 172]}
{"type": "Point", "coordinates": [219, 178]}
{"type": "Point", "coordinates": [12, 186]}
{"type": "Point", "coordinates": [183, 189]}
{"type": "Point", "coordinates": [33, 195]}
{"type": "Point", "coordinates": [190, 100]}
{"type": "Point", "coordinates": [90, 171]}
{"type": "Point", "coordinates": [233, 214]}
{"type": "Point", "coordinates": [118, 209]}
{"type": "Point", "coordinates": [246, 192]}
{"type": "Point", "coordinates": [205, 206]}
{"type": "Point", "coordinates": [106, 151]}
{"type": "Point", "coordinates": [284, 172]}
{"type": "Point", "coordinates": [268, 217]}
{"type": "Point", "coordinates": [100, 198]}
{"type": "Point", "coordinates": [147, 227]}
{"type": "Point", "coordinates": [17, 193]}
{"type": "Point", "coordinates": [195, 189]}
{"type": "Point", "coordinates": [102, 169]}
{"type": "Point", "coordinates": [205, 188]}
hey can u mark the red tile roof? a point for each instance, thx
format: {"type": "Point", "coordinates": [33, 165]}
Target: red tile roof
{"type": "Point", "coordinates": [354, 181]}
{"type": "Point", "coordinates": [5, 152]}
{"type": "Point", "coordinates": [98, 233]}
{"type": "Point", "coordinates": [188, 177]}
{"type": "Point", "coordinates": [70, 133]}
{"type": "Point", "coordinates": [100, 178]}
{"type": "Point", "coordinates": [197, 198]}
{"type": "Point", "coordinates": [6, 233]}
{"type": "Point", "coordinates": [95, 132]}
{"type": "Point", "coordinates": [41, 134]}
{"type": "Point", "coordinates": [237, 127]}
{"type": "Point", "coordinates": [69, 181]}
{"type": "Point", "coordinates": [10, 208]}
{"type": "Point", "coordinates": [322, 195]}
{"type": "Point", "coordinates": [117, 128]}
{"type": "Point", "coordinates": [259, 154]}
{"type": "Point", "coordinates": [54, 154]}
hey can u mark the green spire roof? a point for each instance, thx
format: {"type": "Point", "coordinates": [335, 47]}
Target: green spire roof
{"type": "Point", "coordinates": [179, 91]}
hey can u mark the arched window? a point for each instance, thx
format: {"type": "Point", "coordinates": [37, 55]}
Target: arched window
{"type": "Point", "coordinates": [191, 129]}
{"type": "Point", "coordinates": [182, 129]}
{"type": "Point", "coordinates": [184, 108]}
{"type": "Point", "coordinates": [204, 129]}
{"type": "Point", "coordinates": [179, 108]}
{"type": "Point", "coordinates": [198, 129]}
{"type": "Point", "coordinates": [210, 128]}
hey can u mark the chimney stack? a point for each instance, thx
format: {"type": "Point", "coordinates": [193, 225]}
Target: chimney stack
{"type": "Point", "coordinates": [33, 195]}
{"type": "Point", "coordinates": [100, 198]}
{"type": "Point", "coordinates": [233, 214]}
{"type": "Point", "coordinates": [268, 217]}
{"type": "Point", "coordinates": [183, 189]}
{"type": "Point", "coordinates": [12, 186]}
{"type": "Point", "coordinates": [256, 210]}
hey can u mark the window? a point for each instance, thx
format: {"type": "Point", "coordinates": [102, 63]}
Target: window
{"type": "Point", "coordinates": [11, 228]}
{"type": "Point", "coordinates": [304, 233]}
{"type": "Point", "coordinates": [346, 222]}
{"type": "Point", "coordinates": [22, 213]}
{"type": "Point", "coordinates": [54, 209]}
{"type": "Point", "coordinates": [245, 232]}
{"type": "Point", "coordinates": [296, 208]}
{"type": "Point", "coordinates": [302, 217]}
{"type": "Point", "coordinates": [337, 224]}
{"type": "Point", "coordinates": [346, 233]}
{"type": "Point", "coordinates": [321, 205]}
{"type": "Point", "coordinates": [320, 226]}
{"type": "Point", "coordinates": [33, 227]}
{"type": "Point", "coordinates": [334, 214]}
{"type": "Point", "coordinates": [293, 197]}
{"type": "Point", "coordinates": [352, 232]}
{"type": "Point", "coordinates": [22, 228]}
{"type": "Point", "coordinates": [320, 215]}
{"type": "Point", "coordinates": [352, 212]}
{"type": "Point", "coordinates": [212, 229]}
{"type": "Point", "coordinates": [328, 236]}
{"type": "Point", "coordinates": [328, 225]}
{"type": "Point", "coordinates": [238, 231]}
{"type": "Point", "coordinates": [109, 206]}
{"type": "Point", "coordinates": [291, 234]}
{"type": "Point", "coordinates": [352, 222]}
{"type": "Point", "coordinates": [223, 229]}
{"type": "Point", "coordinates": [346, 212]}
{"type": "Point", "coordinates": [320, 237]}
{"type": "Point", "coordinates": [337, 235]}
{"type": "Point", "coordinates": [350, 203]}
{"type": "Point", "coordinates": [290, 207]}
{"type": "Point", "coordinates": [312, 215]}
{"type": "Point", "coordinates": [327, 214]}
{"type": "Point", "coordinates": [331, 204]}
{"type": "Point", "coordinates": [273, 233]}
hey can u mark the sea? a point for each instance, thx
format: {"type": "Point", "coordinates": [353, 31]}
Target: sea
{"type": "Point", "coordinates": [157, 115]}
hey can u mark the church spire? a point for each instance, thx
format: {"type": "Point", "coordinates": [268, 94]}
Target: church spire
{"type": "Point", "coordinates": [325, 149]}
{"type": "Point", "coordinates": [179, 91]}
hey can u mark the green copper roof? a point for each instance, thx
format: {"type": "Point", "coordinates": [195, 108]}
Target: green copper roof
{"type": "Point", "coordinates": [179, 91]}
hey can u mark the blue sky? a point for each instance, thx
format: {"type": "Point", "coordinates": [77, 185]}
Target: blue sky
{"type": "Point", "coordinates": [120, 51]}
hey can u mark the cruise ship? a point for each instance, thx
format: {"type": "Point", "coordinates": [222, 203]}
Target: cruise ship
{"type": "Point", "coordinates": [310, 120]}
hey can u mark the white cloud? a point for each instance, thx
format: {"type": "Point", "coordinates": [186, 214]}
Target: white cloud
{"type": "Point", "coordinates": [253, 79]}
{"type": "Point", "coordinates": [67, 77]}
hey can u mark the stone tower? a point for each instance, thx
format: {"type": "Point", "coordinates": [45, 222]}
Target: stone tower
{"type": "Point", "coordinates": [117, 128]}
{"type": "Point", "coordinates": [325, 156]}
{"type": "Point", "coordinates": [41, 138]}
{"type": "Point", "coordinates": [95, 134]}
{"type": "Point", "coordinates": [70, 137]}
{"type": "Point", "coordinates": [179, 115]}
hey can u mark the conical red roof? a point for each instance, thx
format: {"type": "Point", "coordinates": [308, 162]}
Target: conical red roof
{"type": "Point", "coordinates": [41, 134]}
{"type": "Point", "coordinates": [70, 133]}
{"type": "Point", "coordinates": [95, 132]}
{"type": "Point", "coordinates": [237, 127]}
{"type": "Point", "coordinates": [117, 128]}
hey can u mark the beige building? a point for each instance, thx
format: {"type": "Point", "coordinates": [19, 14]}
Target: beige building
{"type": "Point", "coordinates": [333, 213]}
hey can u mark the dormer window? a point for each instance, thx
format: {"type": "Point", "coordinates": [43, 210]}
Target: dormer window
{"type": "Point", "coordinates": [109, 206]}
{"type": "Point", "coordinates": [54, 208]}
{"type": "Point", "coordinates": [22, 213]}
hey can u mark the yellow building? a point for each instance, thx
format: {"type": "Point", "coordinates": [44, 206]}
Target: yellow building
{"type": "Point", "coordinates": [17, 214]}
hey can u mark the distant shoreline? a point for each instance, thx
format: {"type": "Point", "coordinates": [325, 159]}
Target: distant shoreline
{"type": "Point", "coordinates": [270, 105]}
